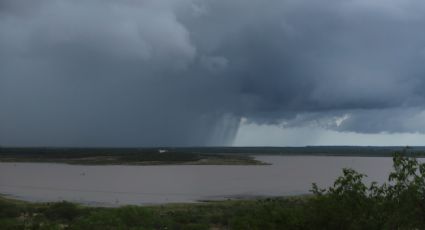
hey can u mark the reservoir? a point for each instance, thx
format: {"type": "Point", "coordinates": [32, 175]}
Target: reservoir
{"type": "Point", "coordinates": [144, 185]}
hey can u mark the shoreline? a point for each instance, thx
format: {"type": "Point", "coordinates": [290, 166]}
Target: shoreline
{"type": "Point", "coordinates": [249, 160]}
{"type": "Point", "coordinates": [189, 155]}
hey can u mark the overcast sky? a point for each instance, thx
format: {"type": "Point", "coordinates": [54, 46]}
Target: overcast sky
{"type": "Point", "coordinates": [212, 72]}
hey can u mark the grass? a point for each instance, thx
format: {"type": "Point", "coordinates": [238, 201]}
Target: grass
{"type": "Point", "coordinates": [208, 215]}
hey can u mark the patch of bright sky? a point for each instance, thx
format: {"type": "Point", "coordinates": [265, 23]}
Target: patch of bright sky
{"type": "Point", "coordinates": [250, 134]}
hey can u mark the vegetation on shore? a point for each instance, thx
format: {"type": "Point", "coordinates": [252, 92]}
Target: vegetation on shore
{"type": "Point", "coordinates": [123, 157]}
{"type": "Point", "coordinates": [348, 204]}
{"type": "Point", "coordinates": [186, 155]}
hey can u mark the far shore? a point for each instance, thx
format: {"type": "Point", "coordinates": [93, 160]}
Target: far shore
{"type": "Point", "coordinates": [188, 155]}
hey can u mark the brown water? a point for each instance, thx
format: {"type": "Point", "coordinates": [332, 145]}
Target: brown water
{"type": "Point", "coordinates": [119, 185]}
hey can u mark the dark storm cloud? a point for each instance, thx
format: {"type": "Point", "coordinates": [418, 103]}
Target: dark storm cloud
{"type": "Point", "coordinates": [133, 72]}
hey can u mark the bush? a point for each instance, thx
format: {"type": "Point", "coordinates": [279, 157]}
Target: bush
{"type": "Point", "coordinates": [62, 211]}
{"type": "Point", "coordinates": [350, 204]}
{"type": "Point", "coordinates": [8, 210]}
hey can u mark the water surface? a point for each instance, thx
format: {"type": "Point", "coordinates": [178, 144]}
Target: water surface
{"type": "Point", "coordinates": [119, 185]}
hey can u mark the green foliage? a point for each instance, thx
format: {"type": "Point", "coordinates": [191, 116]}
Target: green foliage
{"type": "Point", "coordinates": [397, 204]}
{"type": "Point", "coordinates": [8, 210]}
{"type": "Point", "coordinates": [62, 211]}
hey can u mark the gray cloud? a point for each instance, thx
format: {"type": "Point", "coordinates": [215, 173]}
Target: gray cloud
{"type": "Point", "coordinates": [144, 73]}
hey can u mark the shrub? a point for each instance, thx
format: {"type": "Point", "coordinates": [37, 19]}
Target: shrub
{"type": "Point", "coordinates": [62, 211]}
{"type": "Point", "coordinates": [350, 204]}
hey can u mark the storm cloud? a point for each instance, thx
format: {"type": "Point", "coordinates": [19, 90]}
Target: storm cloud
{"type": "Point", "coordinates": [187, 72]}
